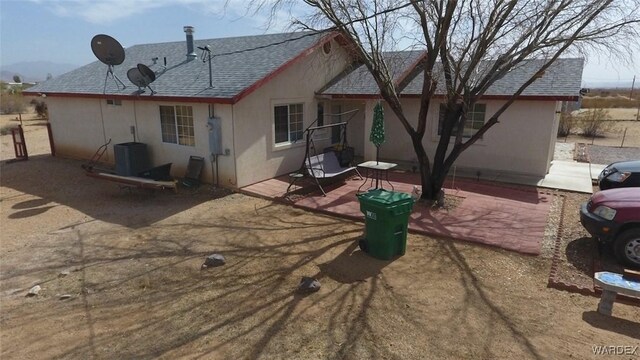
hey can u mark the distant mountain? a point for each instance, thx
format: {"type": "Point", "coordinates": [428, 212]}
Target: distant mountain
{"type": "Point", "coordinates": [34, 71]}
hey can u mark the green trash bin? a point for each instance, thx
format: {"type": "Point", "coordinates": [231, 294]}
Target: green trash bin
{"type": "Point", "coordinates": [386, 220]}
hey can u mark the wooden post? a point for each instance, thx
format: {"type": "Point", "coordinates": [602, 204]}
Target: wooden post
{"type": "Point", "coordinates": [51, 143]}
{"type": "Point", "coordinates": [24, 143]}
{"type": "Point", "coordinates": [623, 136]}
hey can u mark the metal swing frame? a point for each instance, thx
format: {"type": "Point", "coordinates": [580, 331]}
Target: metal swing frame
{"type": "Point", "coordinates": [325, 165]}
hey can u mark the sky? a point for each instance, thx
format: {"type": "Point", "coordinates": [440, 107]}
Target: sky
{"type": "Point", "coordinates": [60, 31]}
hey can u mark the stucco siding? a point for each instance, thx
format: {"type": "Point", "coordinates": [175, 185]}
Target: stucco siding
{"type": "Point", "coordinates": [518, 144]}
{"type": "Point", "coordinates": [76, 126]}
{"type": "Point", "coordinates": [257, 156]}
{"type": "Point", "coordinates": [81, 126]}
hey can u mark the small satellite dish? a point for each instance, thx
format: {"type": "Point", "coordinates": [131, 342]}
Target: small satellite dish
{"type": "Point", "coordinates": [107, 49]}
{"type": "Point", "coordinates": [147, 73]}
{"type": "Point", "coordinates": [142, 77]}
{"type": "Point", "coordinates": [136, 77]}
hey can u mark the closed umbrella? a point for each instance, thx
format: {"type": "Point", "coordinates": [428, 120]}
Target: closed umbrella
{"type": "Point", "coordinates": [377, 129]}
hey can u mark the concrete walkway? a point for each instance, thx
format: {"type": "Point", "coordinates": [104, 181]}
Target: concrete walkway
{"type": "Point", "coordinates": [572, 176]}
{"type": "Point", "coordinates": [564, 173]}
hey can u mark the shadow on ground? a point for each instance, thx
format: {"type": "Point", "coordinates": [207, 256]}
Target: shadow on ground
{"type": "Point", "coordinates": [140, 294]}
{"type": "Point", "coordinates": [52, 181]}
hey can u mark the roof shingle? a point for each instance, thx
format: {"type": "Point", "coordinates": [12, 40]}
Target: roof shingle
{"type": "Point", "coordinates": [562, 79]}
{"type": "Point", "coordinates": [238, 63]}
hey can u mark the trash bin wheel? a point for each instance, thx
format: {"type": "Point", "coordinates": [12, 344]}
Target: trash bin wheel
{"type": "Point", "coordinates": [362, 243]}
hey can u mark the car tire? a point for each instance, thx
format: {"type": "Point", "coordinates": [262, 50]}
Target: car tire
{"type": "Point", "coordinates": [627, 247]}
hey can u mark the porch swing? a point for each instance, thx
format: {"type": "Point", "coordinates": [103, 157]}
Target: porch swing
{"type": "Point", "coordinates": [330, 163]}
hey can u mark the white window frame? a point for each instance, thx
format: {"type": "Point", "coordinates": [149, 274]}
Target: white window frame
{"type": "Point", "coordinates": [290, 141]}
{"type": "Point", "coordinates": [471, 120]}
{"type": "Point", "coordinates": [184, 133]}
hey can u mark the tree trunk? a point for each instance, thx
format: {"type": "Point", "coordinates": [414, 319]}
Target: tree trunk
{"type": "Point", "coordinates": [432, 176]}
{"type": "Point", "coordinates": [424, 166]}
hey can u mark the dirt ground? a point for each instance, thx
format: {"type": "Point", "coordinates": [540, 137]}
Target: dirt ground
{"type": "Point", "coordinates": [623, 130]}
{"type": "Point", "coordinates": [130, 263]}
{"type": "Point", "coordinates": [35, 134]}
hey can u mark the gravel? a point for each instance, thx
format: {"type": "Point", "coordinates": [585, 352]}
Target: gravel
{"type": "Point", "coordinates": [605, 155]}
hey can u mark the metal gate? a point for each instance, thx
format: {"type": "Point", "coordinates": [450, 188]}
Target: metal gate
{"type": "Point", "coordinates": [19, 145]}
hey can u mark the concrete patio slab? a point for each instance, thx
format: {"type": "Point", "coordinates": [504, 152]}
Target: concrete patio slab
{"type": "Point", "coordinates": [508, 217]}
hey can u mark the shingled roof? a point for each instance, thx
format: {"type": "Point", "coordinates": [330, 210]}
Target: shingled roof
{"type": "Point", "coordinates": [252, 60]}
{"type": "Point", "coordinates": [357, 79]}
{"type": "Point", "coordinates": [561, 81]}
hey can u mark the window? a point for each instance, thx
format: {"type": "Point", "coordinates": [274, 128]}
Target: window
{"type": "Point", "coordinates": [475, 120]}
{"type": "Point", "coordinates": [177, 125]}
{"type": "Point", "coordinates": [336, 118]}
{"type": "Point", "coordinates": [288, 123]}
{"type": "Point", "coordinates": [114, 102]}
{"type": "Point", "coordinates": [320, 114]}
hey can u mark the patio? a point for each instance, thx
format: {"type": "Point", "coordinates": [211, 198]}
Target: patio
{"type": "Point", "coordinates": [509, 217]}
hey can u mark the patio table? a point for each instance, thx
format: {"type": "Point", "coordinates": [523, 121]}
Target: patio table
{"type": "Point", "coordinates": [375, 171]}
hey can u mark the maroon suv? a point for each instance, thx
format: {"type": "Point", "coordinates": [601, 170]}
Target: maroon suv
{"type": "Point", "coordinates": [613, 217]}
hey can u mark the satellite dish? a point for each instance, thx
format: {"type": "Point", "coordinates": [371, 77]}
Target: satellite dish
{"type": "Point", "coordinates": [136, 77]}
{"type": "Point", "coordinates": [147, 73]}
{"type": "Point", "coordinates": [142, 77]}
{"type": "Point", "coordinates": [107, 49]}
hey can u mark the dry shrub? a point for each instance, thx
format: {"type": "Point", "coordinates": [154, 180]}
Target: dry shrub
{"type": "Point", "coordinates": [597, 102]}
{"type": "Point", "coordinates": [40, 108]}
{"type": "Point", "coordinates": [5, 129]}
{"type": "Point", "coordinates": [594, 122]}
{"type": "Point", "coordinates": [567, 123]}
{"type": "Point", "coordinates": [12, 103]}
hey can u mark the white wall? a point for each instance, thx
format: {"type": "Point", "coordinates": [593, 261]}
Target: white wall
{"type": "Point", "coordinates": [81, 126]}
{"type": "Point", "coordinates": [257, 158]}
{"type": "Point", "coordinates": [521, 143]}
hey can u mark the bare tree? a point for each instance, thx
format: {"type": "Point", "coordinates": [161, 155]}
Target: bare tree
{"type": "Point", "coordinates": [469, 45]}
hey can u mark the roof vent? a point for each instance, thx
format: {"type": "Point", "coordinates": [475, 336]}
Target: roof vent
{"type": "Point", "coordinates": [191, 54]}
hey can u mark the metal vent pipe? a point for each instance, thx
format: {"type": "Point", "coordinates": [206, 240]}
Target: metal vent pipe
{"type": "Point", "coordinates": [191, 54]}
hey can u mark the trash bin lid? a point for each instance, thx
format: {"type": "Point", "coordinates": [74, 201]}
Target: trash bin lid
{"type": "Point", "coordinates": [385, 197]}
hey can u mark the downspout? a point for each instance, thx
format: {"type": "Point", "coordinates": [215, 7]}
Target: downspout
{"type": "Point", "coordinates": [104, 130]}
{"type": "Point", "coordinates": [233, 146]}
{"type": "Point", "coordinates": [215, 177]}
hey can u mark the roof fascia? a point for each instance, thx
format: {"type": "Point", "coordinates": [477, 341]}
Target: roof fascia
{"type": "Point", "coordinates": [208, 100]}
{"type": "Point", "coordinates": [485, 97]}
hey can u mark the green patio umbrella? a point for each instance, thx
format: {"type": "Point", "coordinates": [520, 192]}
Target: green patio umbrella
{"type": "Point", "coordinates": [377, 129]}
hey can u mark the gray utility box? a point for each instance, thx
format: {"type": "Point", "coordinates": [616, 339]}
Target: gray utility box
{"type": "Point", "coordinates": [131, 158]}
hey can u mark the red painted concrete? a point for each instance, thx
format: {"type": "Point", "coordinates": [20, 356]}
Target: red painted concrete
{"type": "Point", "coordinates": [497, 215]}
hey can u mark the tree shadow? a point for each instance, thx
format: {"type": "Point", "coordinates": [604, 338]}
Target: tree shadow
{"type": "Point", "coordinates": [139, 292]}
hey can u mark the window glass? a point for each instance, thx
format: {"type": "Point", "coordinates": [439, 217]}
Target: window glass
{"type": "Point", "coordinates": [295, 122]}
{"type": "Point", "coordinates": [320, 114]}
{"type": "Point", "coordinates": [475, 120]}
{"type": "Point", "coordinates": [288, 122]}
{"type": "Point", "coordinates": [167, 122]}
{"type": "Point", "coordinates": [281, 118]}
{"type": "Point", "coordinates": [177, 125]}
